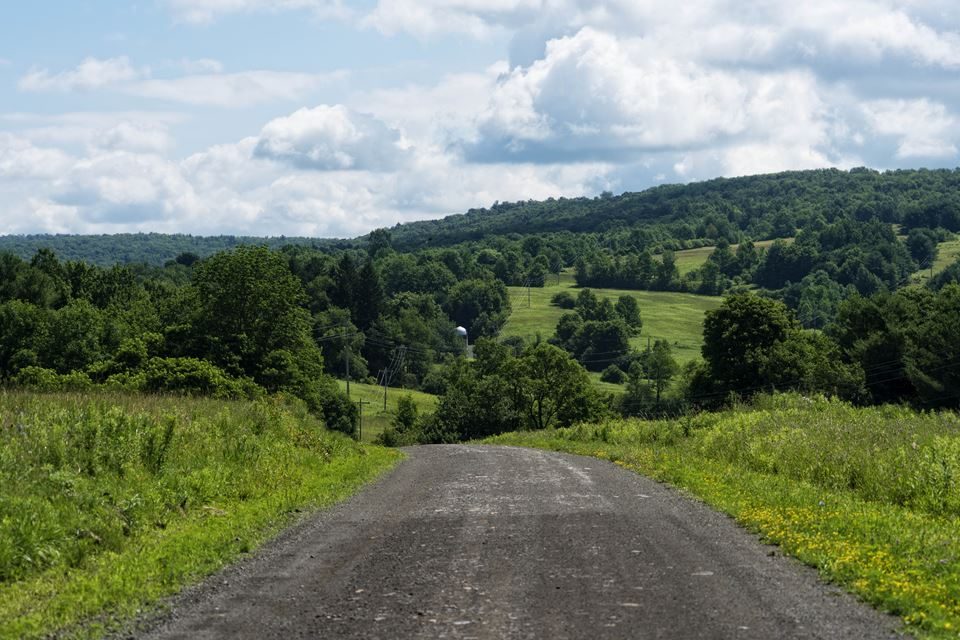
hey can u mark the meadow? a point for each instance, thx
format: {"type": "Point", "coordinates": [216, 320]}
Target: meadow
{"type": "Point", "coordinates": [688, 260]}
{"type": "Point", "coordinates": [947, 253]}
{"type": "Point", "coordinates": [868, 496]}
{"type": "Point", "coordinates": [676, 317]}
{"type": "Point", "coordinates": [375, 417]}
{"type": "Point", "coordinates": [111, 502]}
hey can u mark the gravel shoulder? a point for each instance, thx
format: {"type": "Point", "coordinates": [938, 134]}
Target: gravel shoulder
{"type": "Point", "coordinates": [468, 541]}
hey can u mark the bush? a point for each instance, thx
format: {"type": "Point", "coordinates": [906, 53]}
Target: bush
{"type": "Point", "coordinates": [564, 300]}
{"type": "Point", "coordinates": [613, 374]}
{"type": "Point", "coordinates": [40, 379]}
{"type": "Point", "coordinates": [340, 413]}
{"type": "Point", "coordinates": [434, 382]}
{"type": "Point", "coordinates": [193, 376]}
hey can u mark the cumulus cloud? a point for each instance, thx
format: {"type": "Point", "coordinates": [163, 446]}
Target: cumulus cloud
{"type": "Point", "coordinates": [135, 136]}
{"type": "Point", "coordinates": [596, 96]}
{"type": "Point", "coordinates": [130, 130]}
{"type": "Point", "coordinates": [816, 31]}
{"type": "Point", "coordinates": [332, 138]}
{"type": "Point", "coordinates": [92, 73]}
{"type": "Point", "coordinates": [124, 187]}
{"type": "Point", "coordinates": [923, 129]}
{"type": "Point", "coordinates": [592, 95]}
{"type": "Point", "coordinates": [20, 159]}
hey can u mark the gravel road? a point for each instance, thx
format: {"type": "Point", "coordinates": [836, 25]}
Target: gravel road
{"type": "Point", "coordinates": [501, 542]}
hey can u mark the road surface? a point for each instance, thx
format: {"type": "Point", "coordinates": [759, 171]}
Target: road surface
{"type": "Point", "coordinates": [501, 542]}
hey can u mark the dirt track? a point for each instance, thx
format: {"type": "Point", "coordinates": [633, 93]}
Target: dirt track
{"type": "Point", "coordinates": [497, 542]}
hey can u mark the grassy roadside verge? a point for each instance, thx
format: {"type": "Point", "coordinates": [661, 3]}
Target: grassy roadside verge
{"type": "Point", "coordinates": [897, 549]}
{"type": "Point", "coordinates": [110, 503]}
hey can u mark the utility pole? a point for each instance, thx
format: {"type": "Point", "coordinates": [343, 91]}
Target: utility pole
{"type": "Point", "coordinates": [347, 358]}
{"type": "Point", "coordinates": [528, 294]}
{"type": "Point", "coordinates": [361, 402]}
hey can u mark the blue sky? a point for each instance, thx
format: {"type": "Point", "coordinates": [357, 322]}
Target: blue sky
{"type": "Point", "coordinates": [331, 117]}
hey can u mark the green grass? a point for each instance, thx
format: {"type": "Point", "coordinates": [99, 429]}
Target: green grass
{"type": "Point", "coordinates": [870, 497]}
{"type": "Point", "coordinates": [688, 260]}
{"type": "Point", "coordinates": [109, 503]}
{"type": "Point", "coordinates": [677, 317]}
{"type": "Point", "coordinates": [947, 254]}
{"type": "Point", "coordinates": [375, 418]}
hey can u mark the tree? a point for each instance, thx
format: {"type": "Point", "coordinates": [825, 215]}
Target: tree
{"type": "Point", "coordinates": [737, 335]}
{"type": "Point", "coordinates": [248, 308]}
{"type": "Point", "coordinates": [659, 366]}
{"type": "Point", "coordinates": [481, 306]}
{"type": "Point", "coordinates": [819, 299]}
{"type": "Point", "coordinates": [378, 242]}
{"type": "Point", "coordinates": [557, 388]}
{"type": "Point", "coordinates": [628, 309]}
{"type": "Point", "coordinates": [369, 297]}
{"type": "Point", "coordinates": [922, 244]}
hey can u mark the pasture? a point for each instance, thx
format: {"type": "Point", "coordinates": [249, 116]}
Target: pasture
{"type": "Point", "coordinates": [676, 317]}
{"type": "Point", "coordinates": [375, 417]}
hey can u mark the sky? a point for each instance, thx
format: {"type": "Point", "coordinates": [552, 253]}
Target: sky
{"type": "Point", "coordinates": [329, 118]}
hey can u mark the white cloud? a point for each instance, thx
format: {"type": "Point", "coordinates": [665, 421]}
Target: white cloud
{"type": "Point", "coordinates": [233, 90]}
{"type": "Point", "coordinates": [122, 187]}
{"type": "Point", "coordinates": [597, 96]}
{"type": "Point", "coordinates": [332, 138]}
{"type": "Point", "coordinates": [923, 129]}
{"type": "Point", "coordinates": [92, 73]}
{"type": "Point", "coordinates": [815, 31]}
{"type": "Point", "coordinates": [5, 63]}
{"type": "Point", "coordinates": [475, 17]}
{"type": "Point", "coordinates": [144, 130]}
{"type": "Point", "coordinates": [135, 136]}
{"type": "Point", "coordinates": [204, 85]}
{"type": "Point", "coordinates": [205, 11]}
{"type": "Point", "coordinates": [20, 159]}
{"type": "Point", "coordinates": [201, 65]}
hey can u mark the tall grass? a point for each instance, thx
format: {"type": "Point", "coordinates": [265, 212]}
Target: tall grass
{"type": "Point", "coordinates": [87, 482]}
{"type": "Point", "coordinates": [888, 454]}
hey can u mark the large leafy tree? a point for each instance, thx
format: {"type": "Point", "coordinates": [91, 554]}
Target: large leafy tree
{"type": "Point", "coordinates": [556, 389]}
{"type": "Point", "coordinates": [737, 336]}
{"type": "Point", "coordinates": [249, 316]}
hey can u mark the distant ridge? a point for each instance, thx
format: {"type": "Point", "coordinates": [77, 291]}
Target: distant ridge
{"type": "Point", "coordinates": [751, 203]}
{"type": "Point", "coordinates": [148, 248]}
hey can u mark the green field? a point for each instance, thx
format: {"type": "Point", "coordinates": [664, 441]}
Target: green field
{"type": "Point", "coordinates": [111, 502]}
{"type": "Point", "coordinates": [689, 259]}
{"type": "Point", "coordinates": [947, 254]}
{"type": "Point", "coordinates": [677, 317]}
{"type": "Point", "coordinates": [375, 418]}
{"type": "Point", "coordinates": [868, 496]}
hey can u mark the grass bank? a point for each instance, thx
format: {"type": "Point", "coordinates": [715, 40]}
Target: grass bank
{"type": "Point", "coordinates": [110, 502]}
{"type": "Point", "coordinates": [870, 497]}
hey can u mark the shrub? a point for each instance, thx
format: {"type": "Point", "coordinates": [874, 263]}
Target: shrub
{"type": "Point", "coordinates": [40, 379]}
{"type": "Point", "coordinates": [193, 376]}
{"type": "Point", "coordinates": [613, 374]}
{"type": "Point", "coordinates": [564, 300]}
{"type": "Point", "coordinates": [340, 413]}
